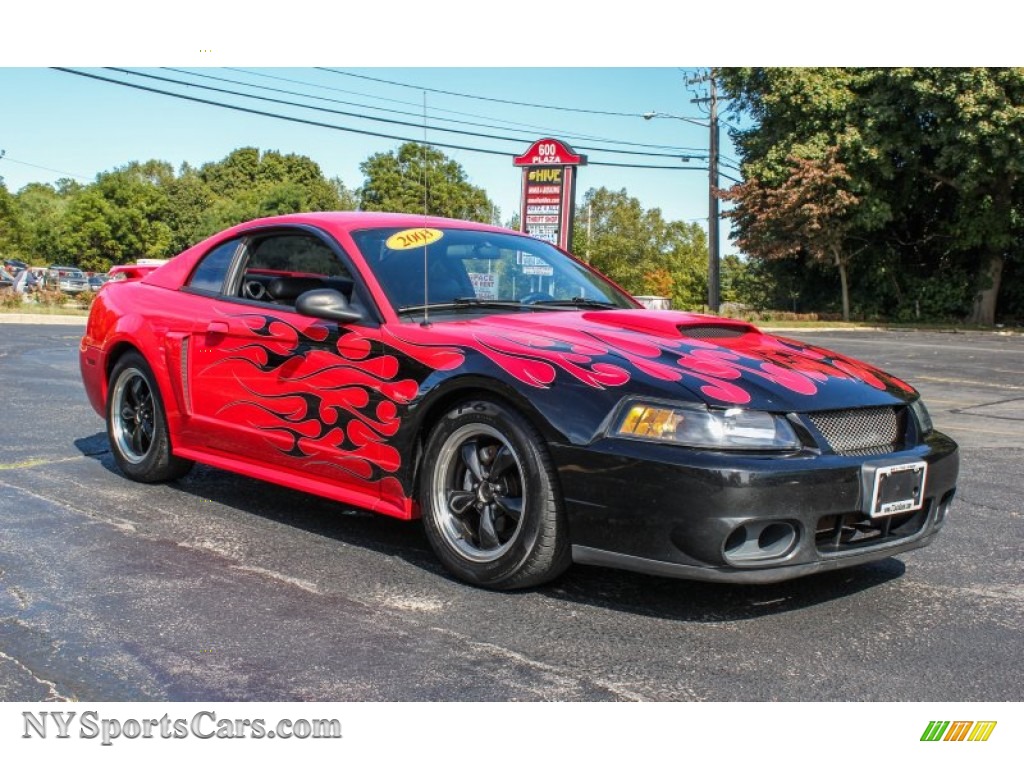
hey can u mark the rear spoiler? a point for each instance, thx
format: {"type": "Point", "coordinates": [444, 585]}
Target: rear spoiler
{"type": "Point", "coordinates": [131, 271]}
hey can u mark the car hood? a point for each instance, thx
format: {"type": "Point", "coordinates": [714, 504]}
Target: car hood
{"type": "Point", "coordinates": [722, 362]}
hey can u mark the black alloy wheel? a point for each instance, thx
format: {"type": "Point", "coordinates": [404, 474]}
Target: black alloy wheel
{"type": "Point", "coordinates": [137, 426]}
{"type": "Point", "coordinates": [490, 500]}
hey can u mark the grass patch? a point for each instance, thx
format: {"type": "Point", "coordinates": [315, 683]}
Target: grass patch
{"type": "Point", "coordinates": [31, 308]}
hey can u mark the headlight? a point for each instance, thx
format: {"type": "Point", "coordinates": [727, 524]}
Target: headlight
{"type": "Point", "coordinates": [700, 427]}
{"type": "Point", "coordinates": [924, 419]}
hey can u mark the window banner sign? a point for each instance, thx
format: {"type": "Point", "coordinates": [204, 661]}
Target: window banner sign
{"type": "Point", "coordinates": [548, 199]}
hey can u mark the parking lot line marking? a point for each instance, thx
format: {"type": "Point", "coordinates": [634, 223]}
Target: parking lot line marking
{"type": "Point", "coordinates": [29, 463]}
{"type": "Point", "coordinates": [947, 428]}
{"type": "Point", "coordinates": [943, 347]}
{"type": "Point", "coordinates": [968, 382]}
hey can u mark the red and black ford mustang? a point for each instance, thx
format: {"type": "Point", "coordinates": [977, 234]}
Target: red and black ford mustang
{"type": "Point", "coordinates": [519, 402]}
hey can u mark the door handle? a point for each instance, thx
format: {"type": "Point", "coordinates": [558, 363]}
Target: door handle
{"type": "Point", "coordinates": [217, 326]}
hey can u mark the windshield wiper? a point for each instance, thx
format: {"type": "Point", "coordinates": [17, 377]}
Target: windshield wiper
{"type": "Point", "coordinates": [577, 301]}
{"type": "Point", "coordinates": [464, 302]}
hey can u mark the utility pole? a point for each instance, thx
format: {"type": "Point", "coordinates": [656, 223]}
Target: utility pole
{"type": "Point", "coordinates": [714, 263]}
{"type": "Point", "coordinates": [590, 213]}
{"type": "Point", "coordinates": [714, 249]}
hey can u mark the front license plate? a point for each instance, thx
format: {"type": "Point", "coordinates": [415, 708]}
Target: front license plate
{"type": "Point", "coordinates": [898, 489]}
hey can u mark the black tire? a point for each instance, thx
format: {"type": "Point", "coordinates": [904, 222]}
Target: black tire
{"type": "Point", "coordinates": [490, 499]}
{"type": "Point", "coordinates": [137, 426]}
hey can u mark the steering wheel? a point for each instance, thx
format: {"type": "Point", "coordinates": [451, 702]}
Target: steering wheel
{"type": "Point", "coordinates": [253, 289]}
{"type": "Point", "coordinates": [533, 298]}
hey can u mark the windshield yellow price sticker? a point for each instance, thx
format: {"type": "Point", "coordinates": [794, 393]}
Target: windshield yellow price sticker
{"type": "Point", "coordinates": [413, 238]}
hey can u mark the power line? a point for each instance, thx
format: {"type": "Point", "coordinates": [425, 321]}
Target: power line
{"type": "Point", "coordinates": [484, 98]}
{"type": "Point", "coordinates": [10, 159]}
{"type": "Point", "coordinates": [507, 123]}
{"type": "Point", "coordinates": [510, 124]}
{"type": "Point", "coordinates": [346, 129]}
{"type": "Point", "coordinates": [283, 102]}
{"type": "Point", "coordinates": [387, 120]}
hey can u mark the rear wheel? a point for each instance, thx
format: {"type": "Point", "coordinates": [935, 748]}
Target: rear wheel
{"type": "Point", "coordinates": [137, 425]}
{"type": "Point", "coordinates": [490, 500]}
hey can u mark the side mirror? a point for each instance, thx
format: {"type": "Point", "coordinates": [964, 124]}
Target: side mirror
{"type": "Point", "coordinates": [327, 304]}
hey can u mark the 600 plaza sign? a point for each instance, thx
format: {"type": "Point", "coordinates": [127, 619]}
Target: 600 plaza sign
{"type": "Point", "coordinates": [549, 190]}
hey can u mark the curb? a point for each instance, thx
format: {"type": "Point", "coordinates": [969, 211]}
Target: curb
{"type": "Point", "coordinates": [21, 318]}
{"type": "Point", "coordinates": [1005, 332]}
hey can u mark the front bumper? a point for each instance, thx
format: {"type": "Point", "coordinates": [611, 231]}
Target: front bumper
{"type": "Point", "coordinates": [741, 518]}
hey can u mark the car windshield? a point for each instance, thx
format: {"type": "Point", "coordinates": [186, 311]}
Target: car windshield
{"type": "Point", "coordinates": [473, 269]}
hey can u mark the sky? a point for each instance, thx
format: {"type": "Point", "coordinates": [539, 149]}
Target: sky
{"type": "Point", "coordinates": [631, 59]}
{"type": "Point", "coordinates": [59, 124]}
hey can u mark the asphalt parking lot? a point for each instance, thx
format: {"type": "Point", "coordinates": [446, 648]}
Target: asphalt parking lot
{"type": "Point", "coordinates": [218, 587]}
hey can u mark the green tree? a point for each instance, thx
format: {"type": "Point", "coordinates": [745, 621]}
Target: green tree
{"type": "Point", "coordinates": [639, 250]}
{"type": "Point", "coordinates": [121, 217]}
{"type": "Point", "coordinates": [810, 212]}
{"type": "Point", "coordinates": [348, 199]}
{"type": "Point", "coordinates": [11, 225]}
{"type": "Point", "coordinates": [416, 177]}
{"type": "Point", "coordinates": [85, 236]}
{"type": "Point", "coordinates": [934, 158]}
{"type": "Point", "coordinates": [145, 209]}
{"type": "Point", "coordinates": [686, 259]}
{"type": "Point", "coordinates": [954, 138]}
{"type": "Point", "coordinates": [248, 185]}
{"type": "Point", "coordinates": [41, 208]}
{"type": "Point", "coordinates": [743, 283]}
{"type": "Point", "coordinates": [189, 201]}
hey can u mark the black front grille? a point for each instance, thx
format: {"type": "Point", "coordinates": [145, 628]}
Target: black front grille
{"type": "Point", "coordinates": [861, 431]}
{"type": "Point", "coordinates": [712, 331]}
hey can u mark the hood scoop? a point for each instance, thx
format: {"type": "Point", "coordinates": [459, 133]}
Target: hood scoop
{"type": "Point", "coordinates": [713, 331]}
{"type": "Point", "coordinates": [674, 325]}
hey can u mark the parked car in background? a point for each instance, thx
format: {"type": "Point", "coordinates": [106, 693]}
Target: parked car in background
{"type": "Point", "coordinates": [27, 281]}
{"type": "Point", "coordinates": [655, 302]}
{"type": "Point", "coordinates": [97, 281]}
{"type": "Point", "coordinates": [67, 279]}
{"type": "Point", "coordinates": [546, 420]}
{"type": "Point", "coordinates": [6, 278]}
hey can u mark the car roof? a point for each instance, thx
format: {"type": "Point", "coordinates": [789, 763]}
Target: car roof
{"type": "Point", "coordinates": [352, 220]}
{"type": "Point", "coordinates": [174, 273]}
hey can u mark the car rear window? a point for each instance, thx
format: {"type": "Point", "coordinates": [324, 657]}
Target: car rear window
{"type": "Point", "coordinates": [209, 275]}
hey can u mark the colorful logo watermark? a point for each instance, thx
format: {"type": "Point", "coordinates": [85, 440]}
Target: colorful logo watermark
{"type": "Point", "coordinates": [958, 730]}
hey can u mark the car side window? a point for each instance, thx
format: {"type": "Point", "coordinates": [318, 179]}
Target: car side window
{"type": "Point", "coordinates": [209, 276]}
{"type": "Point", "coordinates": [294, 253]}
{"type": "Point", "coordinates": [280, 267]}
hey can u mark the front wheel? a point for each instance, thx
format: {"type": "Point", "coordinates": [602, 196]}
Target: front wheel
{"type": "Point", "coordinates": [137, 426]}
{"type": "Point", "coordinates": [490, 499]}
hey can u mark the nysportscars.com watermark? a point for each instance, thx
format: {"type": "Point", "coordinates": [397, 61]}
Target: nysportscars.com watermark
{"type": "Point", "coordinates": [202, 725]}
